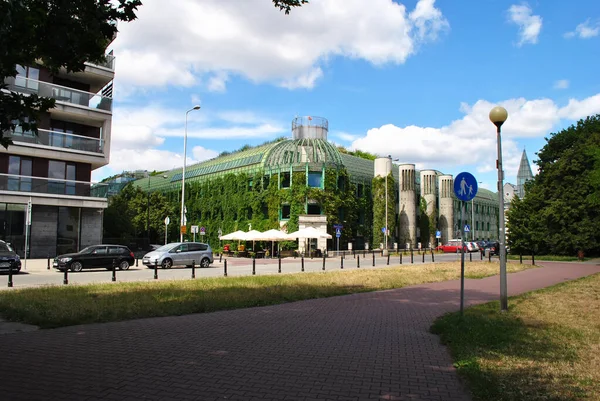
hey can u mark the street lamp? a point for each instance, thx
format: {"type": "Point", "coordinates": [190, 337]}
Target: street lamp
{"type": "Point", "coordinates": [498, 116]}
{"type": "Point", "coordinates": [183, 175]}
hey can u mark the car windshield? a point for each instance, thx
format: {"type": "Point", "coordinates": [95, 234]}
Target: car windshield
{"type": "Point", "coordinates": [4, 247]}
{"type": "Point", "coordinates": [89, 249]}
{"type": "Point", "coordinates": [165, 248]}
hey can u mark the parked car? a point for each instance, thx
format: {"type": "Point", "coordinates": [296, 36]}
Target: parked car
{"type": "Point", "coordinates": [96, 257]}
{"type": "Point", "coordinates": [494, 248]}
{"type": "Point", "coordinates": [472, 246]}
{"type": "Point", "coordinates": [453, 246]}
{"type": "Point", "coordinates": [180, 254]}
{"type": "Point", "coordinates": [9, 258]}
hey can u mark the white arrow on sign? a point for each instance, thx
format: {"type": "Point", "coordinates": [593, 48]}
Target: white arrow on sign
{"type": "Point", "coordinates": [167, 220]}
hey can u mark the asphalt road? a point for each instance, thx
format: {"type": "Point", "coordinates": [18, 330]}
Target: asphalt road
{"type": "Point", "coordinates": [37, 275]}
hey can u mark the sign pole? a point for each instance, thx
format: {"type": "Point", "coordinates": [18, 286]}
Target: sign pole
{"type": "Point", "coordinates": [462, 260]}
{"type": "Point", "coordinates": [27, 231]}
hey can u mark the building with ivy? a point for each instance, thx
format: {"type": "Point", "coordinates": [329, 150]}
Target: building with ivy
{"type": "Point", "coordinates": [306, 181]}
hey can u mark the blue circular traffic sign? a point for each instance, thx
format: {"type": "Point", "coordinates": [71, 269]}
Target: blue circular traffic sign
{"type": "Point", "coordinates": [465, 186]}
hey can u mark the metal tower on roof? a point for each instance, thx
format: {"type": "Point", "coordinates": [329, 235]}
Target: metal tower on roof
{"type": "Point", "coordinates": [524, 174]}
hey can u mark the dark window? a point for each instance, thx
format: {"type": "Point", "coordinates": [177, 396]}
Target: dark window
{"type": "Point", "coordinates": [249, 214]}
{"type": "Point", "coordinates": [361, 190]}
{"type": "Point", "coordinates": [314, 179]}
{"type": "Point", "coordinates": [265, 210]}
{"type": "Point", "coordinates": [100, 251]}
{"type": "Point", "coordinates": [341, 183]}
{"type": "Point", "coordinates": [313, 209]}
{"type": "Point", "coordinates": [27, 77]}
{"type": "Point", "coordinates": [285, 212]}
{"type": "Point", "coordinates": [197, 247]}
{"type": "Point", "coordinates": [19, 166]}
{"type": "Point", "coordinates": [114, 250]}
{"type": "Point", "coordinates": [285, 180]}
{"type": "Point", "coordinates": [361, 217]}
{"type": "Point", "coordinates": [488, 226]}
{"type": "Point", "coordinates": [341, 214]}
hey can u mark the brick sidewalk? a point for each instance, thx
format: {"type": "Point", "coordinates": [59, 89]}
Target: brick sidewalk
{"type": "Point", "coordinates": [362, 346]}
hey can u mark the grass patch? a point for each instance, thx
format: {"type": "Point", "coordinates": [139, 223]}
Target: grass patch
{"type": "Point", "coordinates": [550, 258]}
{"type": "Point", "coordinates": [56, 306]}
{"type": "Point", "coordinates": [546, 348]}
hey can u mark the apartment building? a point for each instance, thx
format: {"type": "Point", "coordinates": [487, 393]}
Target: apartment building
{"type": "Point", "coordinates": [51, 171]}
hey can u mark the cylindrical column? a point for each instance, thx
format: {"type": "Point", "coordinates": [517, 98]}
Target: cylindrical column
{"type": "Point", "coordinates": [408, 204]}
{"type": "Point", "coordinates": [429, 193]}
{"type": "Point", "coordinates": [446, 219]}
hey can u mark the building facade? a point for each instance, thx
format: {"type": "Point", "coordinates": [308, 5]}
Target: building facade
{"type": "Point", "coordinates": [51, 171]}
{"type": "Point", "coordinates": [306, 181]}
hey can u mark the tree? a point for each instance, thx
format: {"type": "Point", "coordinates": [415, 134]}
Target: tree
{"type": "Point", "coordinates": [58, 34]}
{"type": "Point", "coordinates": [559, 213]}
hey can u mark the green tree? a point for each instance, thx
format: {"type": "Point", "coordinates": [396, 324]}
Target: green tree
{"type": "Point", "coordinates": [559, 213]}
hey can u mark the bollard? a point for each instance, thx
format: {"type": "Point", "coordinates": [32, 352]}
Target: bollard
{"type": "Point", "coordinates": [400, 257]}
{"type": "Point", "coordinates": [388, 261]}
{"type": "Point", "coordinates": [279, 263]}
{"type": "Point", "coordinates": [432, 257]}
{"type": "Point", "coordinates": [470, 257]}
{"type": "Point", "coordinates": [253, 266]}
{"type": "Point", "coordinates": [220, 257]}
{"type": "Point", "coordinates": [193, 269]}
{"type": "Point", "coordinates": [155, 269]}
{"type": "Point", "coordinates": [225, 268]}
{"type": "Point", "coordinates": [66, 276]}
{"type": "Point", "coordinates": [302, 261]}
{"type": "Point", "coordinates": [323, 262]}
{"type": "Point", "coordinates": [136, 262]}
{"type": "Point", "coordinates": [412, 260]}
{"type": "Point", "coordinates": [482, 252]}
{"type": "Point", "coordinates": [48, 262]}
{"type": "Point", "coordinates": [423, 256]}
{"type": "Point", "coordinates": [520, 258]}
{"type": "Point", "coordinates": [532, 258]}
{"type": "Point", "coordinates": [342, 262]}
{"type": "Point", "coordinates": [114, 270]}
{"type": "Point", "coordinates": [358, 262]}
{"type": "Point", "coordinates": [373, 258]}
{"type": "Point", "coordinates": [10, 276]}
{"type": "Point", "coordinates": [363, 253]}
{"type": "Point", "coordinates": [490, 256]}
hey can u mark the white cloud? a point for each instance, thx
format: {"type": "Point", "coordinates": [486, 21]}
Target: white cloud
{"type": "Point", "coordinates": [561, 84]}
{"type": "Point", "coordinates": [471, 140]}
{"type": "Point", "coordinates": [529, 25]}
{"type": "Point", "coordinates": [201, 154]}
{"type": "Point", "coordinates": [255, 131]}
{"type": "Point", "coordinates": [252, 39]}
{"type": "Point", "coordinates": [585, 30]}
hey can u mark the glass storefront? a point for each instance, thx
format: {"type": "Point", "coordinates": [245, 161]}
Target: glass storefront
{"type": "Point", "coordinates": [12, 226]}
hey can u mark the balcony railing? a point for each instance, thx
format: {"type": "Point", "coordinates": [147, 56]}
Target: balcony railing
{"type": "Point", "coordinates": [52, 186]}
{"type": "Point", "coordinates": [58, 140]}
{"type": "Point", "coordinates": [60, 93]}
{"type": "Point", "coordinates": [109, 63]}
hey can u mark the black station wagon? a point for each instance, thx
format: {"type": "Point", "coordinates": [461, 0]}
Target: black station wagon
{"type": "Point", "coordinates": [96, 257]}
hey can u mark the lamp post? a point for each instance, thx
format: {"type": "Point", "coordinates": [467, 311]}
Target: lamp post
{"type": "Point", "coordinates": [498, 116]}
{"type": "Point", "coordinates": [183, 174]}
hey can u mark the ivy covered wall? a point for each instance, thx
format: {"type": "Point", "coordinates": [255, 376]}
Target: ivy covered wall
{"type": "Point", "coordinates": [379, 194]}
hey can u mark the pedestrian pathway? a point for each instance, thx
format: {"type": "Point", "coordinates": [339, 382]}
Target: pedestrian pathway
{"type": "Point", "coordinates": [362, 346]}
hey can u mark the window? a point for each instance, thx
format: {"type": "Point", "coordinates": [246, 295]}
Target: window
{"type": "Point", "coordinates": [314, 179]}
{"type": "Point", "coordinates": [65, 175]}
{"type": "Point", "coordinates": [477, 225]}
{"type": "Point", "coordinates": [192, 247]}
{"type": "Point", "coordinates": [360, 190]}
{"type": "Point", "coordinates": [285, 180]}
{"type": "Point", "coordinates": [488, 226]}
{"type": "Point", "coordinates": [27, 77]}
{"type": "Point", "coordinates": [341, 183]}
{"type": "Point", "coordinates": [113, 250]}
{"type": "Point", "coordinates": [100, 251]}
{"type": "Point", "coordinates": [285, 212]}
{"type": "Point", "coordinates": [19, 170]}
{"type": "Point", "coordinates": [19, 129]}
{"type": "Point", "coordinates": [313, 208]}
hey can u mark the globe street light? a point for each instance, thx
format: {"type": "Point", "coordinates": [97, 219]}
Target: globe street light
{"type": "Point", "coordinates": [498, 116]}
{"type": "Point", "coordinates": [183, 175]}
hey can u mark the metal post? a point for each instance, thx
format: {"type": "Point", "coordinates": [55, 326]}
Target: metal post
{"type": "Point", "coordinates": [193, 269]}
{"type": "Point", "coordinates": [10, 276]}
{"type": "Point", "coordinates": [341, 263]}
{"type": "Point", "coordinates": [48, 262]}
{"type": "Point", "coordinates": [412, 260]}
{"type": "Point", "coordinates": [490, 256]}
{"type": "Point", "coordinates": [66, 276]}
{"type": "Point", "coordinates": [520, 258]}
{"type": "Point", "coordinates": [279, 261]}
{"type": "Point", "coordinates": [423, 256]}
{"type": "Point", "coordinates": [220, 257]}
{"type": "Point", "coordinates": [253, 266]}
{"type": "Point", "coordinates": [225, 268]}
{"type": "Point", "coordinates": [358, 262]}
{"type": "Point", "coordinates": [323, 262]}
{"type": "Point", "coordinates": [432, 257]}
{"type": "Point", "coordinates": [470, 257]}
{"type": "Point", "coordinates": [502, 232]}
{"type": "Point", "coordinates": [114, 270]}
{"type": "Point", "coordinates": [373, 258]}
{"type": "Point", "coordinates": [136, 262]}
{"type": "Point", "coordinates": [532, 257]}
{"type": "Point", "coordinates": [302, 261]}
{"type": "Point", "coordinates": [462, 260]}
{"type": "Point", "coordinates": [388, 259]}
{"type": "Point", "coordinates": [155, 269]}
{"type": "Point", "coordinates": [400, 257]}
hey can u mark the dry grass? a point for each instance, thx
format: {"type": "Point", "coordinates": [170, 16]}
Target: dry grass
{"type": "Point", "coordinates": [76, 304]}
{"type": "Point", "coordinates": [546, 348]}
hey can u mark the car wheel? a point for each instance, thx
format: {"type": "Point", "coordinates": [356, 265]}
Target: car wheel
{"type": "Point", "coordinates": [76, 267]}
{"type": "Point", "coordinates": [124, 265]}
{"type": "Point", "coordinates": [204, 263]}
{"type": "Point", "coordinates": [167, 263]}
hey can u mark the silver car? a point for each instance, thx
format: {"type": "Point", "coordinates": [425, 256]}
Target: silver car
{"type": "Point", "coordinates": [180, 254]}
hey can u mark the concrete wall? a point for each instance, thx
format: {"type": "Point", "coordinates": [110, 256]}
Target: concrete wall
{"type": "Point", "coordinates": [446, 217]}
{"type": "Point", "coordinates": [317, 222]}
{"type": "Point", "coordinates": [429, 193]}
{"type": "Point", "coordinates": [382, 166]}
{"type": "Point", "coordinates": [91, 227]}
{"type": "Point", "coordinates": [43, 231]}
{"type": "Point", "coordinates": [407, 206]}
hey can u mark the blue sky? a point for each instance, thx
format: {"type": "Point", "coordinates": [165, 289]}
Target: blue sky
{"type": "Point", "coordinates": [412, 79]}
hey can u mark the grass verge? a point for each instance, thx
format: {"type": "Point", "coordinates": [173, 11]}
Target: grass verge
{"type": "Point", "coordinates": [551, 258]}
{"type": "Point", "coordinates": [546, 348]}
{"type": "Point", "coordinates": [56, 306]}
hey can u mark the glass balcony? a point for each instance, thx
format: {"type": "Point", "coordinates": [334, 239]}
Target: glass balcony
{"type": "Point", "coordinates": [58, 140]}
{"type": "Point", "coordinates": [54, 186]}
{"type": "Point", "coordinates": [60, 93]}
{"type": "Point", "coordinates": [109, 63]}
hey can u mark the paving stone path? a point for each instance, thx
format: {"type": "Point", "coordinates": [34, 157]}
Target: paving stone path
{"type": "Point", "coordinates": [372, 346]}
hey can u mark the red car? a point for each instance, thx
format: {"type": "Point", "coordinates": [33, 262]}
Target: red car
{"type": "Point", "coordinates": [452, 247]}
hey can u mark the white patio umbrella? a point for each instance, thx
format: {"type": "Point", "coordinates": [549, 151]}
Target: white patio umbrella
{"type": "Point", "coordinates": [239, 235]}
{"type": "Point", "coordinates": [251, 235]}
{"type": "Point", "coordinates": [309, 232]}
{"type": "Point", "coordinates": [274, 235]}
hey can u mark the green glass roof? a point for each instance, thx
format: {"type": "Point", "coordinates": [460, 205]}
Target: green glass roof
{"type": "Point", "coordinates": [294, 152]}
